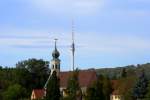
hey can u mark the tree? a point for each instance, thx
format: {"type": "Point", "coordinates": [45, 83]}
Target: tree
{"type": "Point", "coordinates": [24, 78]}
{"type": "Point", "coordinates": [123, 73]}
{"type": "Point", "coordinates": [6, 79]}
{"type": "Point", "coordinates": [32, 71]}
{"type": "Point", "coordinates": [14, 92]}
{"type": "Point", "coordinates": [0, 89]}
{"type": "Point", "coordinates": [107, 89]}
{"type": "Point", "coordinates": [73, 85]}
{"type": "Point", "coordinates": [147, 96]}
{"type": "Point", "coordinates": [140, 88]}
{"type": "Point", "coordinates": [95, 92]}
{"type": "Point", "coordinates": [52, 91]}
{"type": "Point", "coordinates": [1, 67]}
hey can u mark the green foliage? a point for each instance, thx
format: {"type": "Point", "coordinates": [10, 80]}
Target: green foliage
{"type": "Point", "coordinates": [147, 96]}
{"type": "Point", "coordinates": [140, 88]}
{"type": "Point", "coordinates": [107, 89]}
{"type": "Point", "coordinates": [100, 90]}
{"type": "Point", "coordinates": [131, 70]}
{"type": "Point", "coordinates": [73, 85]}
{"type": "Point", "coordinates": [14, 92]}
{"type": "Point", "coordinates": [123, 73]}
{"type": "Point", "coordinates": [24, 78]}
{"type": "Point", "coordinates": [125, 85]}
{"type": "Point", "coordinates": [1, 67]}
{"type": "Point", "coordinates": [52, 91]}
{"type": "Point", "coordinates": [95, 92]}
{"type": "Point", "coordinates": [128, 95]}
{"type": "Point", "coordinates": [6, 79]}
{"type": "Point", "coordinates": [31, 74]}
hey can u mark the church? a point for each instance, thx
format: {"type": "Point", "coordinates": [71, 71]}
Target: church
{"type": "Point", "coordinates": [86, 77]}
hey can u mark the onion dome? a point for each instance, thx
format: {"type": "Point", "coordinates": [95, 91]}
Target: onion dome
{"type": "Point", "coordinates": [55, 53]}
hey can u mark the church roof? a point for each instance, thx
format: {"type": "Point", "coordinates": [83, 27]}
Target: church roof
{"type": "Point", "coordinates": [114, 84]}
{"type": "Point", "coordinates": [116, 92]}
{"type": "Point", "coordinates": [38, 93]}
{"type": "Point", "coordinates": [86, 78]}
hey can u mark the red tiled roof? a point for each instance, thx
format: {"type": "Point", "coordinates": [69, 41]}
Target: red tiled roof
{"type": "Point", "coordinates": [86, 78]}
{"type": "Point", "coordinates": [114, 84]}
{"type": "Point", "coordinates": [39, 93]}
{"type": "Point", "coordinates": [115, 92]}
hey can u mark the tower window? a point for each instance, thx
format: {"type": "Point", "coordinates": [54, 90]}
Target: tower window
{"type": "Point", "coordinates": [56, 66]}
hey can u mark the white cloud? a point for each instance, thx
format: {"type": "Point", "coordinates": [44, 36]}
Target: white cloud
{"type": "Point", "coordinates": [121, 44]}
{"type": "Point", "coordinates": [32, 38]}
{"type": "Point", "coordinates": [34, 42]}
{"type": "Point", "coordinates": [87, 42]}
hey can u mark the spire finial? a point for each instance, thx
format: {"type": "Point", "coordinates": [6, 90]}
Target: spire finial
{"type": "Point", "coordinates": [55, 43]}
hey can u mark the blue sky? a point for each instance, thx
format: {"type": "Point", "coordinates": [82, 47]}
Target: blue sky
{"type": "Point", "coordinates": [109, 33]}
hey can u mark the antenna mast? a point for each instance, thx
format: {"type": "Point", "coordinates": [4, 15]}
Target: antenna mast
{"type": "Point", "coordinates": [73, 47]}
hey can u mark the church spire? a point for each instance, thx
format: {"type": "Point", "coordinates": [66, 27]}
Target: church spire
{"type": "Point", "coordinates": [55, 63]}
{"type": "Point", "coordinates": [55, 43]}
{"type": "Point", "coordinates": [55, 53]}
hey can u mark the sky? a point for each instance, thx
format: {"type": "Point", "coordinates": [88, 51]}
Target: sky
{"type": "Point", "coordinates": [108, 33]}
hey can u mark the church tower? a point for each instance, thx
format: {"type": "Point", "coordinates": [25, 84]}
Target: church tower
{"type": "Point", "coordinates": [55, 62]}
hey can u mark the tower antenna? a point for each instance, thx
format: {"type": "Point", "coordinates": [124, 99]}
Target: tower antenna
{"type": "Point", "coordinates": [73, 47]}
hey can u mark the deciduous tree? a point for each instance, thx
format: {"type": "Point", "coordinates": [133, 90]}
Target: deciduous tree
{"type": "Point", "coordinates": [14, 92]}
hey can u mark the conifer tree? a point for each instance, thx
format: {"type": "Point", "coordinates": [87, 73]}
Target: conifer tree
{"type": "Point", "coordinates": [140, 88]}
{"type": "Point", "coordinates": [107, 89]}
{"type": "Point", "coordinates": [147, 97]}
{"type": "Point", "coordinates": [73, 85]}
{"type": "Point", "coordinates": [123, 73]}
{"type": "Point", "coordinates": [52, 91]}
{"type": "Point", "coordinates": [95, 92]}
